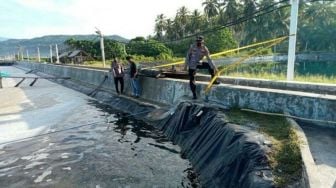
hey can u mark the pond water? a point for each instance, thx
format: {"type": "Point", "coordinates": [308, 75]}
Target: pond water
{"type": "Point", "coordinates": [107, 149]}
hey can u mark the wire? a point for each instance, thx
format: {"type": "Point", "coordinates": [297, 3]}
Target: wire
{"type": "Point", "coordinates": [241, 20]}
{"type": "Point", "coordinates": [221, 53]}
{"type": "Point", "coordinates": [223, 26]}
{"type": "Point", "coordinates": [236, 22]}
{"type": "Point", "coordinates": [207, 89]}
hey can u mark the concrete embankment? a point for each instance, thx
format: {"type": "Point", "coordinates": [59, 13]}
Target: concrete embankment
{"type": "Point", "coordinates": [224, 154]}
{"type": "Point", "coordinates": [53, 136]}
{"type": "Point", "coordinates": [169, 91]}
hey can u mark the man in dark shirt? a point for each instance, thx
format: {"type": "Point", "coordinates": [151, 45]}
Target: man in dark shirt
{"type": "Point", "coordinates": [134, 77]}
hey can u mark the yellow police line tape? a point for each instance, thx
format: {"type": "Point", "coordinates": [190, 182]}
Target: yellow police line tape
{"type": "Point", "coordinates": [233, 65]}
{"type": "Point", "coordinates": [224, 52]}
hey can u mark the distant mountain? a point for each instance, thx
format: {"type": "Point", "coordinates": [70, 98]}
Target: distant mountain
{"type": "Point", "coordinates": [3, 39]}
{"type": "Point", "coordinates": [11, 46]}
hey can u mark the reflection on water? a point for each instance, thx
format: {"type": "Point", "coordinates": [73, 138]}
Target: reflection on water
{"type": "Point", "coordinates": [120, 151]}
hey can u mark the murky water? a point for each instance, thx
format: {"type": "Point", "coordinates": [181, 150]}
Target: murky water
{"type": "Point", "coordinates": [116, 151]}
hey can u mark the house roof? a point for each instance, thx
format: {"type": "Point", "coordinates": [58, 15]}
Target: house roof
{"type": "Point", "coordinates": [64, 54]}
{"type": "Point", "coordinates": [74, 53]}
{"type": "Point", "coordinates": [71, 54]}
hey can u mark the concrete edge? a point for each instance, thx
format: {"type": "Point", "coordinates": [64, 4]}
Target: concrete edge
{"type": "Point", "coordinates": [310, 174]}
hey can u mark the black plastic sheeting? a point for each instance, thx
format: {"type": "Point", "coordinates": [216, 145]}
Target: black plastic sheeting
{"type": "Point", "coordinates": [224, 154]}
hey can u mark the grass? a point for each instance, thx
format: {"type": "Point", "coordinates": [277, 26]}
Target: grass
{"type": "Point", "coordinates": [145, 61]}
{"type": "Point", "coordinates": [261, 70]}
{"type": "Point", "coordinates": [285, 158]}
{"type": "Point", "coordinates": [302, 78]}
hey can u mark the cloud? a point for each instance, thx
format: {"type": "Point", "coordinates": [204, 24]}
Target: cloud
{"type": "Point", "coordinates": [128, 18]}
{"type": "Point", "coordinates": [43, 5]}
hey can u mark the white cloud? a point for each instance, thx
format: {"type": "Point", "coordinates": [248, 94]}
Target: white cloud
{"type": "Point", "coordinates": [128, 18]}
{"type": "Point", "coordinates": [41, 5]}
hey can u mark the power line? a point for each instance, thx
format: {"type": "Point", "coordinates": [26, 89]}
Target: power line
{"type": "Point", "coordinates": [225, 25]}
{"type": "Point", "coordinates": [235, 22]}
{"type": "Point", "coordinates": [240, 20]}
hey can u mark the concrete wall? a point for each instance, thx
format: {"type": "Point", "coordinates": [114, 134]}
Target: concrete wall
{"type": "Point", "coordinates": [170, 91]}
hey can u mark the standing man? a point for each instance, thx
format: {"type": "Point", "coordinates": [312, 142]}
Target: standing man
{"type": "Point", "coordinates": [134, 77]}
{"type": "Point", "coordinates": [118, 74]}
{"type": "Point", "coordinates": [194, 61]}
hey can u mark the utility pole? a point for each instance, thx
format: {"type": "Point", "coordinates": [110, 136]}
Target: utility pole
{"type": "Point", "coordinates": [57, 57]}
{"type": "Point", "coordinates": [51, 60]}
{"type": "Point", "coordinates": [124, 45]}
{"type": "Point", "coordinates": [38, 55]}
{"type": "Point", "coordinates": [101, 45]}
{"type": "Point", "coordinates": [292, 39]}
{"type": "Point", "coordinates": [21, 51]}
{"type": "Point", "coordinates": [27, 55]}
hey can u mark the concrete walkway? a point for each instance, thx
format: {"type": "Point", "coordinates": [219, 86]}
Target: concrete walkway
{"type": "Point", "coordinates": [322, 143]}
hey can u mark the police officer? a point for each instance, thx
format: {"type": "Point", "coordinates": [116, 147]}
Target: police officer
{"type": "Point", "coordinates": [194, 61]}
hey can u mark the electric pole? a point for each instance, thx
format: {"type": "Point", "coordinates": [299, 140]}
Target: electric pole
{"type": "Point", "coordinates": [27, 55]}
{"type": "Point", "coordinates": [292, 39]}
{"type": "Point", "coordinates": [57, 57]}
{"type": "Point", "coordinates": [38, 55]}
{"type": "Point", "coordinates": [51, 60]}
{"type": "Point", "coordinates": [101, 45]}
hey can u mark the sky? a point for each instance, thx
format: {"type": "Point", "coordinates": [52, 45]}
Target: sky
{"type": "Point", "coordinates": [127, 18]}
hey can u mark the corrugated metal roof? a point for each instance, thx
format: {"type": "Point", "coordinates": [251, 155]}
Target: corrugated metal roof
{"type": "Point", "coordinates": [74, 53]}
{"type": "Point", "coordinates": [64, 54]}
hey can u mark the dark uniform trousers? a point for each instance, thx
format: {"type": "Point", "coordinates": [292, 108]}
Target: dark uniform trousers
{"type": "Point", "coordinates": [192, 73]}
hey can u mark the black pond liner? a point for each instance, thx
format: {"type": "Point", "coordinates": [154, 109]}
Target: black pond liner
{"type": "Point", "coordinates": [224, 154]}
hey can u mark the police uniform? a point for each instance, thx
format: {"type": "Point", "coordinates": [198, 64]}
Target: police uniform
{"type": "Point", "coordinates": [194, 62]}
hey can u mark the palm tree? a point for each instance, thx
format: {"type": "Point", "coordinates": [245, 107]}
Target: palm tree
{"type": "Point", "coordinates": [195, 23]}
{"type": "Point", "coordinates": [250, 7]}
{"type": "Point", "coordinates": [160, 25]}
{"type": "Point", "coordinates": [317, 26]}
{"type": "Point", "coordinates": [211, 8]}
{"type": "Point", "coordinates": [231, 10]}
{"type": "Point", "coordinates": [170, 29]}
{"type": "Point", "coordinates": [182, 19]}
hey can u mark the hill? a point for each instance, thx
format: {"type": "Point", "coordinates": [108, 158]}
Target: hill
{"type": "Point", "coordinates": [3, 39]}
{"type": "Point", "coordinates": [11, 46]}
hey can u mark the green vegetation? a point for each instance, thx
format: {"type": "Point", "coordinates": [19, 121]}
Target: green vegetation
{"type": "Point", "coordinates": [315, 29]}
{"type": "Point", "coordinates": [173, 37]}
{"type": "Point", "coordinates": [322, 72]}
{"type": "Point", "coordinates": [11, 45]}
{"type": "Point", "coordinates": [285, 157]}
{"type": "Point", "coordinates": [302, 78]}
{"type": "Point", "coordinates": [112, 48]}
{"type": "Point", "coordinates": [149, 48]}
